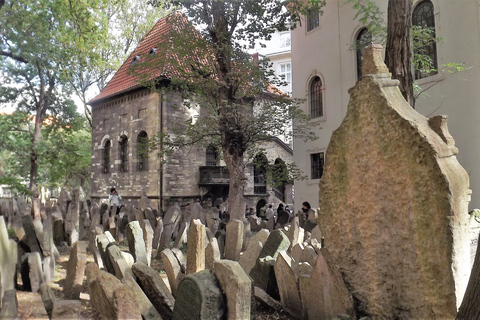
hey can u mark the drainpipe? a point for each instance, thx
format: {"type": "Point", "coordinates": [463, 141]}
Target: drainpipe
{"type": "Point", "coordinates": [160, 182]}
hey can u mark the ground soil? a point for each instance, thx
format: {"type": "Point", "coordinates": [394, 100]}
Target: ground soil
{"type": "Point", "coordinates": [30, 305]}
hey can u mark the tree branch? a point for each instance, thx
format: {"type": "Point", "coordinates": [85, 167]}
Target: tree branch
{"type": "Point", "coordinates": [11, 55]}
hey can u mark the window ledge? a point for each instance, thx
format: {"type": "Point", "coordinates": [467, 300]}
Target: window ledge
{"type": "Point", "coordinates": [435, 78]}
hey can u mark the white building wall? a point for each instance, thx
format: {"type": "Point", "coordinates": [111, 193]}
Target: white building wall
{"type": "Point", "coordinates": [325, 51]}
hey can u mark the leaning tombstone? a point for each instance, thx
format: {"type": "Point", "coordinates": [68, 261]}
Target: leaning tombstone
{"type": "Point", "coordinates": [75, 270]}
{"type": "Point", "coordinates": [9, 305]}
{"type": "Point", "coordinates": [119, 263]}
{"type": "Point", "coordinates": [172, 268]}
{"type": "Point", "coordinates": [145, 307]}
{"type": "Point", "coordinates": [155, 289]}
{"type": "Point", "coordinates": [66, 309]}
{"type": "Point", "coordinates": [287, 285]}
{"type": "Point", "coordinates": [199, 297]}
{"type": "Point", "coordinates": [125, 305]}
{"type": "Point", "coordinates": [148, 239]}
{"type": "Point", "coordinates": [8, 260]}
{"type": "Point", "coordinates": [158, 233]}
{"type": "Point", "coordinates": [237, 287]}
{"type": "Point", "coordinates": [212, 253]}
{"type": "Point", "coordinates": [181, 259]}
{"type": "Point", "coordinates": [48, 298]}
{"type": "Point", "coordinates": [393, 173]}
{"type": "Point", "coordinates": [136, 244]}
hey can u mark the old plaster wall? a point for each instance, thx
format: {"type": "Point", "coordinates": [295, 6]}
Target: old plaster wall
{"type": "Point", "coordinates": [394, 204]}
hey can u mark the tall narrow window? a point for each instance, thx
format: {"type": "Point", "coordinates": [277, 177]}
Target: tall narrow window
{"type": "Point", "coordinates": [313, 20]}
{"type": "Point", "coordinates": [286, 72]}
{"type": "Point", "coordinates": [363, 39]}
{"type": "Point", "coordinates": [106, 156]}
{"type": "Point", "coordinates": [123, 154]}
{"type": "Point", "coordinates": [212, 156]}
{"type": "Point", "coordinates": [316, 98]}
{"type": "Point", "coordinates": [424, 45]}
{"type": "Point", "coordinates": [142, 151]}
{"type": "Point", "coordinates": [317, 162]}
{"type": "Point", "coordinates": [260, 165]}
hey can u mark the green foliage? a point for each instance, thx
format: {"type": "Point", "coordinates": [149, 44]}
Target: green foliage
{"type": "Point", "coordinates": [370, 15]}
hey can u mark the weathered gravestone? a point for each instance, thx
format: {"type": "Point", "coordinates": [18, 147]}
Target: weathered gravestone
{"type": "Point", "coordinates": [199, 297]}
{"type": "Point", "coordinates": [117, 260]}
{"type": "Point", "coordinates": [136, 244]}
{"type": "Point", "coordinates": [75, 270]}
{"type": "Point", "coordinates": [126, 307]}
{"type": "Point", "coordinates": [147, 238]}
{"type": "Point", "coordinates": [145, 307]}
{"type": "Point", "coordinates": [155, 289]}
{"type": "Point", "coordinates": [394, 203]}
{"type": "Point", "coordinates": [9, 304]}
{"type": "Point", "coordinates": [172, 268]}
{"type": "Point", "coordinates": [31, 271]}
{"type": "Point", "coordinates": [66, 309]}
{"type": "Point", "coordinates": [8, 260]}
{"type": "Point", "coordinates": [212, 253]}
{"type": "Point", "coordinates": [237, 287]}
{"type": "Point", "coordinates": [172, 217]}
{"type": "Point", "coordinates": [233, 239]}
{"type": "Point", "coordinates": [196, 247]}
{"type": "Point", "coordinates": [287, 285]}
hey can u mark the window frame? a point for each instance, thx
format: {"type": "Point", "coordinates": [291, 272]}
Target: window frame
{"type": "Point", "coordinates": [361, 41]}
{"type": "Point", "coordinates": [315, 98]}
{"type": "Point", "coordinates": [418, 20]}
{"type": "Point", "coordinates": [107, 149]}
{"type": "Point", "coordinates": [142, 151]}
{"type": "Point", "coordinates": [281, 73]}
{"type": "Point", "coordinates": [317, 165]}
{"type": "Point", "coordinates": [123, 154]}
{"type": "Point", "coordinates": [313, 20]}
{"type": "Point", "coordinates": [211, 156]}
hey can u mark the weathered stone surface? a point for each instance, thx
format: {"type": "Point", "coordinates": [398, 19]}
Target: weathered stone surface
{"type": "Point", "coordinates": [172, 268]}
{"type": "Point", "coordinates": [158, 233]}
{"type": "Point", "coordinates": [327, 295]}
{"type": "Point", "coordinates": [145, 307]}
{"type": "Point", "coordinates": [181, 236]}
{"type": "Point", "coordinates": [126, 307]}
{"type": "Point", "coordinates": [75, 270]}
{"type": "Point", "coordinates": [155, 289]}
{"type": "Point", "coordinates": [316, 234]}
{"type": "Point", "coordinates": [136, 244]}
{"type": "Point", "coordinates": [295, 233]}
{"type": "Point", "coordinates": [296, 252]}
{"type": "Point", "coordinates": [35, 274]}
{"type": "Point", "coordinates": [394, 204]}
{"type": "Point", "coordinates": [237, 287]}
{"type": "Point", "coordinates": [30, 238]}
{"type": "Point", "coordinates": [118, 262]}
{"type": "Point", "coordinates": [263, 297]}
{"type": "Point", "coordinates": [66, 309]}
{"type": "Point", "coordinates": [261, 236]}
{"type": "Point", "coordinates": [101, 286]}
{"type": "Point", "coordinates": [196, 247]}
{"type": "Point", "coordinates": [48, 298]}
{"type": "Point", "coordinates": [199, 297]}
{"type": "Point", "coordinates": [9, 305]}
{"type": "Point", "coordinates": [249, 258]}
{"type": "Point", "coordinates": [181, 259]}
{"type": "Point", "coordinates": [58, 228]}
{"type": "Point", "coordinates": [287, 285]}
{"type": "Point", "coordinates": [212, 253]}
{"type": "Point", "coordinates": [102, 245]}
{"type": "Point", "coordinates": [233, 239]}
{"type": "Point", "coordinates": [8, 260]}
{"type": "Point", "coordinates": [148, 239]}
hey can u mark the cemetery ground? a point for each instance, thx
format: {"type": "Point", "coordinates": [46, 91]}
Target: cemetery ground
{"type": "Point", "coordinates": [30, 305]}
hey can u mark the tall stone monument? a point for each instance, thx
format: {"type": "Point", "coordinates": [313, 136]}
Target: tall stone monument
{"type": "Point", "coordinates": [394, 203]}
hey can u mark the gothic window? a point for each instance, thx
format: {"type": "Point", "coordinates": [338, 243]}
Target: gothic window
{"type": "Point", "coordinates": [424, 46]}
{"type": "Point", "coordinates": [317, 162]}
{"type": "Point", "coordinates": [316, 98]}
{"type": "Point", "coordinates": [363, 39]}
{"type": "Point", "coordinates": [212, 156]}
{"type": "Point", "coordinates": [313, 20]}
{"type": "Point", "coordinates": [123, 154]}
{"type": "Point", "coordinates": [260, 165]}
{"type": "Point", "coordinates": [142, 151]}
{"type": "Point", "coordinates": [106, 156]}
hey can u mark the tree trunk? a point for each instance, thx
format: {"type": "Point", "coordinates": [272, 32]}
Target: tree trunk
{"type": "Point", "coordinates": [398, 55]}
{"type": "Point", "coordinates": [34, 153]}
{"type": "Point", "coordinates": [236, 201]}
{"type": "Point", "coordinates": [470, 307]}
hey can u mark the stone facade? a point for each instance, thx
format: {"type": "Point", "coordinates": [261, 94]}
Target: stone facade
{"type": "Point", "coordinates": [125, 110]}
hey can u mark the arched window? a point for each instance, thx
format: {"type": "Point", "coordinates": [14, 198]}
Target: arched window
{"type": "Point", "coordinates": [316, 98]}
{"type": "Point", "coordinates": [363, 39]}
{"type": "Point", "coordinates": [260, 165]}
{"type": "Point", "coordinates": [123, 154]}
{"type": "Point", "coordinates": [424, 46]}
{"type": "Point", "coordinates": [142, 151]}
{"type": "Point", "coordinates": [106, 156]}
{"type": "Point", "coordinates": [212, 156]}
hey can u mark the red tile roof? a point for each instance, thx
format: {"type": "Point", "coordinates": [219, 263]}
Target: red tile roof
{"type": "Point", "coordinates": [124, 80]}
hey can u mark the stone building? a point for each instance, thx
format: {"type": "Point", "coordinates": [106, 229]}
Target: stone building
{"type": "Point", "coordinates": [126, 115]}
{"type": "Point", "coordinates": [325, 66]}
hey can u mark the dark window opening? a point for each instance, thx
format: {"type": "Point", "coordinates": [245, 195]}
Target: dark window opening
{"type": "Point", "coordinates": [106, 156]}
{"type": "Point", "coordinates": [142, 151]}
{"type": "Point", "coordinates": [317, 161]}
{"type": "Point", "coordinates": [153, 51]}
{"type": "Point", "coordinates": [212, 156]}
{"type": "Point", "coordinates": [123, 154]}
{"type": "Point", "coordinates": [313, 20]}
{"type": "Point", "coordinates": [260, 165]}
{"type": "Point", "coordinates": [424, 45]}
{"type": "Point", "coordinates": [135, 60]}
{"type": "Point", "coordinates": [316, 98]}
{"type": "Point", "coordinates": [364, 38]}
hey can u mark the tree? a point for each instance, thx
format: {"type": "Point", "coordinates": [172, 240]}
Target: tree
{"type": "Point", "coordinates": [238, 106]}
{"type": "Point", "coordinates": [123, 24]}
{"type": "Point", "coordinates": [398, 55]}
{"type": "Point", "coordinates": [38, 38]}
